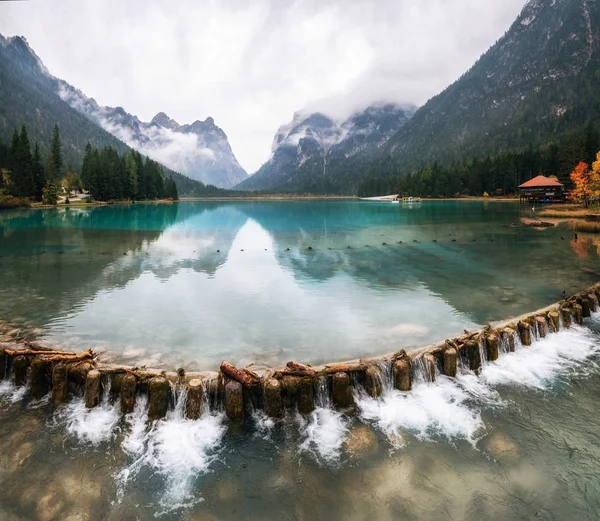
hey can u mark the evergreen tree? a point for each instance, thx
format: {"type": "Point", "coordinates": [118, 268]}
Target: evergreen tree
{"type": "Point", "coordinates": [50, 195]}
{"type": "Point", "coordinates": [39, 177]}
{"type": "Point", "coordinates": [56, 162]}
{"type": "Point", "coordinates": [21, 168]}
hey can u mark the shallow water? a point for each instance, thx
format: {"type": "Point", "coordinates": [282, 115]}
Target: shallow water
{"type": "Point", "coordinates": [518, 442]}
{"type": "Point", "coordinates": [192, 283]}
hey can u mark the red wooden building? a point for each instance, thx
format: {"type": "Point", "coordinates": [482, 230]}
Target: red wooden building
{"type": "Point", "coordinates": [542, 189]}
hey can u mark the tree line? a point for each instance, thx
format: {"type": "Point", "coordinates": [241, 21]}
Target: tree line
{"type": "Point", "coordinates": [105, 174]}
{"type": "Point", "coordinates": [499, 174]}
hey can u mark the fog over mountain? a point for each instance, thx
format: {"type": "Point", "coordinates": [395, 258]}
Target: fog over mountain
{"type": "Point", "coordinates": [200, 150]}
{"type": "Point", "coordinates": [251, 65]}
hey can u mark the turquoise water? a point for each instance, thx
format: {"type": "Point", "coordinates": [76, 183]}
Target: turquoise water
{"type": "Point", "coordinates": [194, 283]}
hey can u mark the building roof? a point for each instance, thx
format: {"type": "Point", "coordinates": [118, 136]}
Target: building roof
{"type": "Point", "coordinates": [541, 181]}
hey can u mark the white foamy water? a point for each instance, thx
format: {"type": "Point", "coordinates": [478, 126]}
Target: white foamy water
{"type": "Point", "coordinates": [176, 448]}
{"type": "Point", "coordinates": [323, 434]}
{"type": "Point", "coordinates": [90, 426]}
{"type": "Point", "coordinates": [539, 365]}
{"type": "Point", "coordinates": [325, 430]}
{"type": "Point", "coordinates": [428, 410]}
{"type": "Point", "coordinates": [10, 392]}
{"type": "Point", "coordinates": [451, 408]}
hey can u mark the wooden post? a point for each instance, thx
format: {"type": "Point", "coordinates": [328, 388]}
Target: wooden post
{"type": "Point", "coordinates": [510, 338]}
{"type": "Point", "coordinates": [525, 333]}
{"type": "Point", "coordinates": [554, 321]}
{"type": "Point", "coordinates": [373, 382]}
{"type": "Point", "coordinates": [38, 378]}
{"type": "Point", "coordinates": [578, 313]}
{"type": "Point", "coordinates": [341, 390]}
{"type": "Point", "coordinates": [474, 356]}
{"type": "Point", "coordinates": [92, 389]}
{"type": "Point", "coordinates": [20, 365]}
{"type": "Point", "coordinates": [586, 310]}
{"type": "Point", "coordinates": [127, 390]}
{"type": "Point", "coordinates": [402, 376]}
{"type": "Point", "coordinates": [450, 362]}
{"type": "Point", "coordinates": [542, 326]}
{"type": "Point", "coordinates": [492, 347]}
{"type": "Point", "coordinates": [273, 400]}
{"type": "Point", "coordinates": [234, 401]}
{"type": "Point", "coordinates": [60, 390]}
{"type": "Point", "coordinates": [430, 367]}
{"type": "Point", "coordinates": [567, 314]}
{"type": "Point", "coordinates": [159, 390]}
{"type": "Point", "coordinates": [195, 399]}
{"type": "Point", "coordinates": [306, 395]}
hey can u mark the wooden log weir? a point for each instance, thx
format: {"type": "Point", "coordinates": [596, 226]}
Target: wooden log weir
{"type": "Point", "coordinates": [290, 386]}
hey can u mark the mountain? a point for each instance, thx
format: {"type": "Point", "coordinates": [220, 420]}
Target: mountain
{"type": "Point", "coordinates": [539, 81]}
{"type": "Point", "coordinates": [200, 150]}
{"type": "Point", "coordinates": [315, 153]}
{"type": "Point", "coordinates": [29, 95]}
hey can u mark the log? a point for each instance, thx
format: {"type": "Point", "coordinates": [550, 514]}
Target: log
{"type": "Point", "coordinates": [554, 321]}
{"type": "Point", "coordinates": [341, 391]}
{"type": "Point", "coordinates": [492, 347]}
{"type": "Point", "coordinates": [509, 335]}
{"type": "Point", "coordinates": [578, 314]}
{"type": "Point", "coordinates": [234, 401]}
{"type": "Point", "coordinates": [92, 389]}
{"type": "Point", "coordinates": [402, 375]}
{"type": "Point", "coordinates": [159, 392]}
{"type": "Point", "coordinates": [374, 381]}
{"type": "Point", "coordinates": [39, 376]}
{"type": "Point", "coordinates": [350, 367]}
{"type": "Point", "coordinates": [430, 367]}
{"type": "Point", "coordinates": [195, 399]}
{"type": "Point", "coordinates": [474, 356]}
{"type": "Point", "coordinates": [60, 392]}
{"type": "Point", "coordinates": [586, 310]}
{"type": "Point", "coordinates": [306, 395]}
{"type": "Point", "coordinates": [20, 366]}
{"type": "Point", "coordinates": [296, 369]}
{"type": "Point", "coordinates": [566, 314]}
{"type": "Point", "coordinates": [450, 362]}
{"type": "Point", "coordinates": [542, 326]}
{"type": "Point", "coordinates": [273, 400]}
{"type": "Point", "coordinates": [525, 333]}
{"type": "Point", "coordinates": [127, 390]}
{"type": "Point", "coordinates": [239, 375]}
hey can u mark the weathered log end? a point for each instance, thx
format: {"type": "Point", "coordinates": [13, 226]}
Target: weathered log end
{"type": "Point", "coordinates": [402, 375]}
{"type": "Point", "coordinates": [554, 321]}
{"type": "Point", "coordinates": [60, 389]}
{"type": "Point", "coordinates": [92, 389]}
{"type": "Point", "coordinates": [374, 381]}
{"type": "Point", "coordinates": [20, 366]}
{"type": "Point", "coordinates": [450, 362]}
{"type": "Point", "coordinates": [473, 355]}
{"type": "Point", "coordinates": [578, 314]}
{"type": "Point", "coordinates": [509, 337]}
{"type": "Point", "coordinates": [341, 390]}
{"type": "Point", "coordinates": [195, 399]}
{"type": "Point", "coordinates": [430, 367]}
{"type": "Point", "coordinates": [525, 333]}
{"type": "Point", "coordinates": [128, 386]}
{"type": "Point", "coordinates": [542, 326]}
{"type": "Point", "coordinates": [39, 378]}
{"type": "Point", "coordinates": [273, 400]}
{"type": "Point", "coordinates": [566, 314]}
{"type": "Point", "coordinates": [159, 390]}
{"type": "Point", "coordinates": [306, 395]}
{"type": "Point", "coordinates": [493, 347]}
{"type": "Point", "coordinates": [234, 401]}
{"type": "Point", "coordinates": [586, 310]}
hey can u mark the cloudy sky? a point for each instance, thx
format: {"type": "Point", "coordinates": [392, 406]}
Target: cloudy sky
{"type": "Point", "coordinates": [252, 64]}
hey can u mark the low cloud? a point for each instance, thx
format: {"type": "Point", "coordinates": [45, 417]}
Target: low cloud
{"type": "Point", "coordinates": [251, 65]}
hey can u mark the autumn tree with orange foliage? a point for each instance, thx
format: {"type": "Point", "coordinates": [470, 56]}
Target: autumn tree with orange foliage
{"type": "Point", "coordinates": [582, 179]}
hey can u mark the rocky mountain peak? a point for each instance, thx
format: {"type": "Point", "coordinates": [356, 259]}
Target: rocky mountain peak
{"type": "Point", "coordinates": [162, 120]}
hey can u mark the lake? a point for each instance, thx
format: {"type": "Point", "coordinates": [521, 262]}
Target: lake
{"type": "Point", "coordinates": [196, 282]}
{"type": "Point", "coordinates": [193, 283]}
